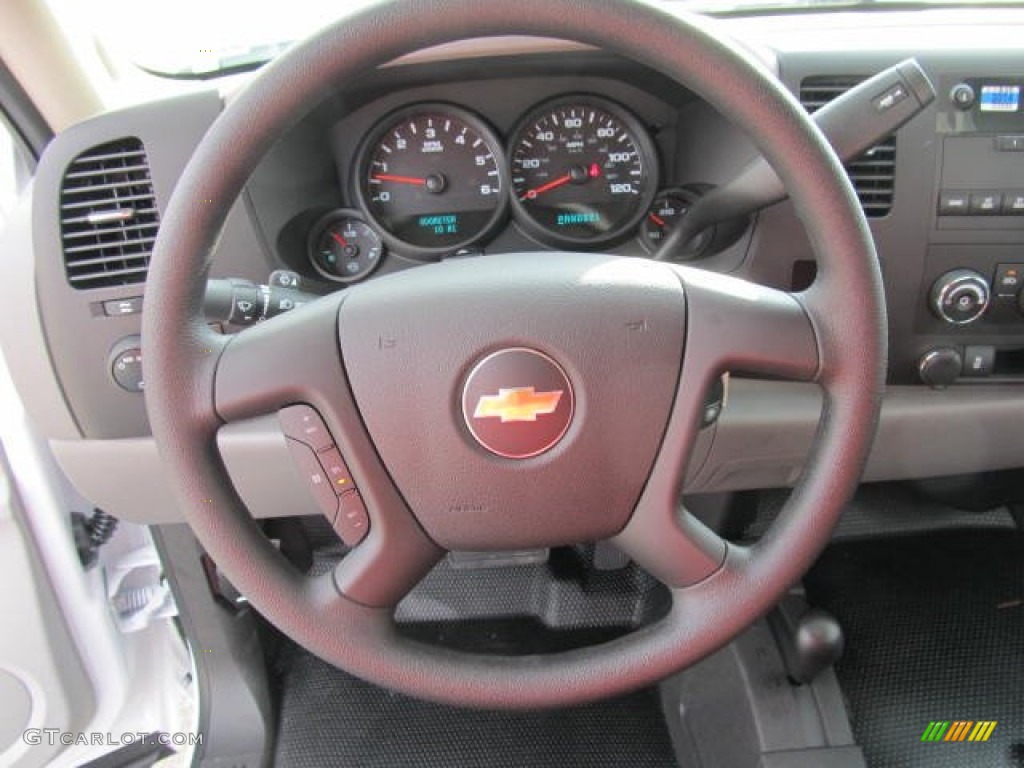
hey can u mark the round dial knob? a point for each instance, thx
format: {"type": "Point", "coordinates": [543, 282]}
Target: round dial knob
{"type": "Point", "coordinates": [960, 297]}
{"type": "Point", "coordinates": [962, 96]}
{"type": "Point", "coordinates": [940, 367]}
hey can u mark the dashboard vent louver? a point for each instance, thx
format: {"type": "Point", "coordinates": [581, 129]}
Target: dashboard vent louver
{"type": "Point", "coordinates": [108, 215]}
{"type": "Point", "coordinates": [872, 173]}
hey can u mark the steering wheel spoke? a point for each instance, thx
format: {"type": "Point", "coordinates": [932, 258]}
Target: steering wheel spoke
{"type": "Point", "coordinates": [292, 364]}
{"type": "Point", "coordinates": [732, 326]}
{"type": "Point", "coordinates": [293, 358]}
{"type": "Point", "coordinates": [737, 326]}
{"type": "Point", "coordinates": [387, 565]}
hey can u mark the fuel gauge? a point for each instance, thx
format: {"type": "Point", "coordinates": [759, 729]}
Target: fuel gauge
{"type": "Point", "coordinates": [344, 248]}
{"type": "Point", "coordinates": [669, 206]}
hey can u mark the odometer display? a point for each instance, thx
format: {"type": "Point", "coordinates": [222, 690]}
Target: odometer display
{"type": "Point", "coordinates": [583, 172]}
{"type": "Point", "coordinates": [432, 179]}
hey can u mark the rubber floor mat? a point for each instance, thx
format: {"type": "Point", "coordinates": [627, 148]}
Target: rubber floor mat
{"type": "Point", "coordinates": [934, 633]}
{"type": "Point", "coordinates": [329, 718]}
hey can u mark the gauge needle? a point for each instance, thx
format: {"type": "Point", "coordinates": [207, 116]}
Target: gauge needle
{"type": "Point", "coordinates": [400, 179]}
{"type": "Point", "coordinates": [657, 219]}
{"type": "Point", "coordinates": [339, 240]}
{"type": "Point", "coordinates": [531, 194]}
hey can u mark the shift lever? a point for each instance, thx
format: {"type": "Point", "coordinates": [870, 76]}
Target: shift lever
{"type": "Point", "coordinates": [809, 645]}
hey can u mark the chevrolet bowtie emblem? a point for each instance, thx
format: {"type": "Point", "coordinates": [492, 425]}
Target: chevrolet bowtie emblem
{"type": "Point", "coordinates": [517, 404]}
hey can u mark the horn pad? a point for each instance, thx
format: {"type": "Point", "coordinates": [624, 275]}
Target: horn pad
{"type": "Point", "coordinates": [537, 422]}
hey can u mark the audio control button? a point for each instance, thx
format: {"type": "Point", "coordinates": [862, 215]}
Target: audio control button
{"type": "Point", "coordinates": [1013, 204]}
{"type": "Point", "coordinates": [1010, 143]}
{"type": "Point", "coordinates": [962, 96]}
{"type": "Point", "coordinates": [986, 203]}
{"type": "Point", "coordinates": [352, 522]}
{"type": "Point", "coordinates": [315, 478]}
{"type": "Point", "coordinates": [953, 203]}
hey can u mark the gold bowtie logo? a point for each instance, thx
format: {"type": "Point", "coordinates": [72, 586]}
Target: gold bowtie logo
{"type": "Point", "coordinates": [517, 404]}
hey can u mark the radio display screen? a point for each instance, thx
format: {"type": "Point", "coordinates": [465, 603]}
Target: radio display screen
{"type": "Point", "coordinates": [1000, 98]}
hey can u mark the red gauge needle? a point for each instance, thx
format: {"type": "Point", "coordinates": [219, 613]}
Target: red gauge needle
{"type": "Point", "coordinates": [400, 179]}
{"type": "Point", "coordinates": [340, 240]}
{"type": "Point", "coordinates": [657, 219]}
{"type": "Point", "coordinates": [531, 194]}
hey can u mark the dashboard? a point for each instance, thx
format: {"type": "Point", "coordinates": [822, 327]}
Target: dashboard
{"type": "Point", "coordinates": [510, 145]}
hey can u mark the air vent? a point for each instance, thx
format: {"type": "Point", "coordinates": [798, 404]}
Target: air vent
{"type": "Point", "coordinates": [108, 216]}
{"type": "Point", "coordinates": [872, 173]}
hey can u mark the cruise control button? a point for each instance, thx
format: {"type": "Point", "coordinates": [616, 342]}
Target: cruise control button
{"type": "Point", "coordinates": [352, 522]}
{"type": "Point", "coordinates": [304, 424]}
{"type": "Point", "coordinates": [315, 478]}
{"type": "Point", "coordinates": [337, 472]}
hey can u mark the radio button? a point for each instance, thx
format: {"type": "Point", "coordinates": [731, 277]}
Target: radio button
{"type": "Point", "coordinates": [953, 203]}
{"type": "Point", "coordinates": [986, 203]}
{"type": "Point", "coordinates": [1013, 204]}
{"type": "Point", "coordinates": [1010, 143]}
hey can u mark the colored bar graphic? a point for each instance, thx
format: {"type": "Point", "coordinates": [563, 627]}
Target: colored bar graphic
{"type": "Point", "coordinates": [935, 730]}
{"type": "Point", "coordinates": [958, 730]}
{"type": "Point", "coordinates": [982, 730]}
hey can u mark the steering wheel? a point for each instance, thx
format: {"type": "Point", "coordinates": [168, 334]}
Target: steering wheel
{"type": "Point", "coordinates": [399, 368]}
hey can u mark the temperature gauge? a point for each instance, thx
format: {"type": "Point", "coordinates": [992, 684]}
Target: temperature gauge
{"type": "Point", "coordinates": [668, 207]}
{"type": "Point", "coordinates": [344, 248]}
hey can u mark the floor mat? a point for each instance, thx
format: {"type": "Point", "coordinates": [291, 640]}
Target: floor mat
{"type": "Point", "coordinates": [934, 632]}
{"type": "Point", "coordinates": [884, 509]}
{"type": "Point", "coordinates": [329, 718]}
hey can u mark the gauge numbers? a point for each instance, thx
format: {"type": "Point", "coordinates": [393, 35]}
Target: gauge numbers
{"type": "Point", "coordinates": [583, 172]}
{"type": "Point", "coordinates": [433, 179]}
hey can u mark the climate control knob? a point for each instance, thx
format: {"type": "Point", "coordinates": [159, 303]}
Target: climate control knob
{"type": "Point", "coordinates": [960, 297]}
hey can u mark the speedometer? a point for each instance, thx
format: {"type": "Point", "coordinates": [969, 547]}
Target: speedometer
{"type": "Point", "coordinates": [432, 179]}
{"type": "Point", "coordinates": [583, 172]}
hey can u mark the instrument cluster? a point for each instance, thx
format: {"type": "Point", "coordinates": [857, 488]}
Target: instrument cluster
{"type": "Point", "coordinates": [431, 179]}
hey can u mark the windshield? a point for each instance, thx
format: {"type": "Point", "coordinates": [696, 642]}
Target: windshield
{"type": "Point", "coordinates": [204, 38]}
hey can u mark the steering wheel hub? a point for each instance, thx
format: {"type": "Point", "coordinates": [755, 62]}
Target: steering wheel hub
{"type": "Point", "coordinates": [517, 403]}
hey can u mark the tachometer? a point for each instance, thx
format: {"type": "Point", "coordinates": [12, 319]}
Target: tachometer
{"type": "Point", "coordinates": [432, 179]}
{"type": "Point", "coordinates": [583, 172]}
